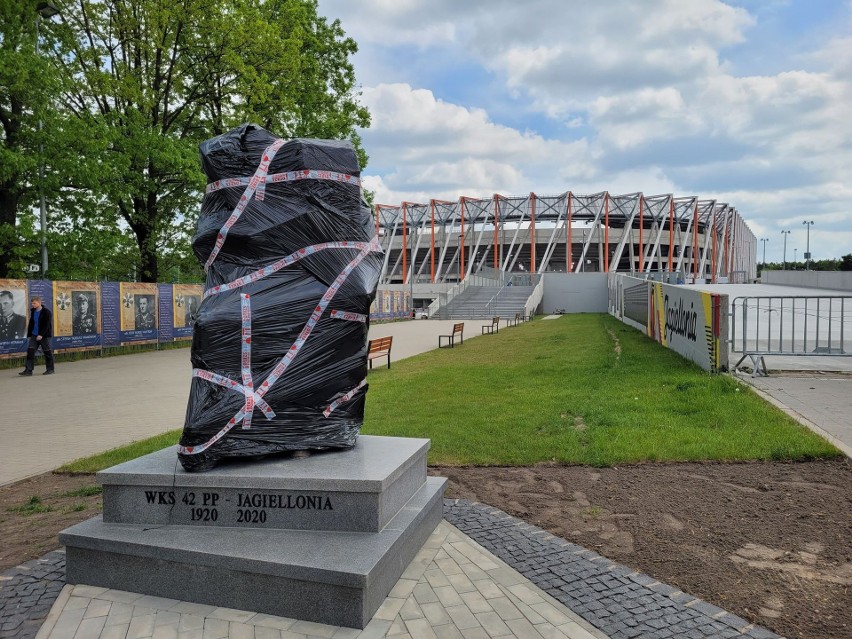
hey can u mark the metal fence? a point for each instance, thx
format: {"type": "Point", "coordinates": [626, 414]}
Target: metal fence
{"type": "Point", "coordinates": [791, 326]}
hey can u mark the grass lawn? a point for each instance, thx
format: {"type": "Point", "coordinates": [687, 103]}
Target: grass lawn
{"type": "Point", "coordinates": [582, 389]}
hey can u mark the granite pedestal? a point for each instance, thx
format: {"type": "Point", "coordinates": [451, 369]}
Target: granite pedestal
{"type": "Point", "coordinates": [322, 538]}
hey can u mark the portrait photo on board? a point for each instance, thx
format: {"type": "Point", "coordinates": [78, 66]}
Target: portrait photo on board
{"type": "Point", "coordinates": [13, 313]}
{"type": "Point", "coordinates": [146, 312]}
{"type": "Point", "coordinates": [85, 313]}
{"type": "Point", "coordinates": [191, 304]}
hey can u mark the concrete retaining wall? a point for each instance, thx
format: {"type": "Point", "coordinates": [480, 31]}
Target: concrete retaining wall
{"type": "Point", "coordinates": [833, 280]}
{"type": "Point", "coordinates": [575, 292]}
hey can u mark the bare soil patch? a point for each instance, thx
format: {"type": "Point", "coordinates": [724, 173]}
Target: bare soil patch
{"type": "Point", "coordinates": [771, 542]}
{"type": "Point", "coordinates": [33, 512]}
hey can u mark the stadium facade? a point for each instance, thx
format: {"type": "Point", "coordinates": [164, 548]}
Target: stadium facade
{"type": "Point", "coordinates": [443, 242]}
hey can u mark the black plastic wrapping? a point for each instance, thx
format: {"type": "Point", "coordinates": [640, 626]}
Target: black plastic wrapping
{"type": "Point", "coordinates": [318, 400]}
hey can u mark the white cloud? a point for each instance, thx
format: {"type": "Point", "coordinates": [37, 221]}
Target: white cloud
{"type": "Point", "coordinates": [619, 96]}
{"type": "Point", "coordinates": [454, 151]}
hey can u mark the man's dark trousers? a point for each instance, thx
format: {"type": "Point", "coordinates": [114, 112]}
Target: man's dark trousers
{"type": "Point", "coordinates": [33, 346]}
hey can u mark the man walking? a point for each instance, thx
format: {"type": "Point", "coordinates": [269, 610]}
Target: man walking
{"type": "Point", "coordinates": [39, 332]}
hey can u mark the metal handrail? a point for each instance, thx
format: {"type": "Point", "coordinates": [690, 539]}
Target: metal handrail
{"type": "Point", "coordinates": [534, 281]}
{"type": "Point", "coordinates": [488, 307]}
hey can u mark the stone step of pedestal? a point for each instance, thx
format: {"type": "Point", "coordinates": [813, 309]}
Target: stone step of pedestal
{"type": "Point", "coordinates": [338, 578]}
{"type": "Point", "coordinates": [360, 489]}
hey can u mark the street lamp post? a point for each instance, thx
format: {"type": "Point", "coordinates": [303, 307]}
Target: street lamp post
{"type": "Point", "coordinates": [808, 225]}
{"type": "Point", "coordinates": [764, 240]}
{"type": "Point", "coordinates": [785, 233]}
{"type": "Point", "coordinates": [795, 251]}
{"type": "Point", "coordinates": [411, 278]}
{"type": "Point", "coordinates": [45, 11]}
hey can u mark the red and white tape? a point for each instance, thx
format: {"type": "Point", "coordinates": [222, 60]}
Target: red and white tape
{"type": "Point", "coordinates": [256, 180]}
{"type": "Point", "coordinates": [285, 362]}
{"type": "Point", "coordinates": [287, 261]}
{"type": "Point", "coordinates": [245, 359]}
{"type": "Point", "coordinates": [215, 378]}
{"type": "Point", "coordinates": [341, 400]}
{"type": "Point", "coordinates": [349, 317]}
{"type": "Point", "coordinates": [289, 176]}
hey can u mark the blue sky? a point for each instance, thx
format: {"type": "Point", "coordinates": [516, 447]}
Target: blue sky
{"type": "Point", "coordinates": [745, 102]}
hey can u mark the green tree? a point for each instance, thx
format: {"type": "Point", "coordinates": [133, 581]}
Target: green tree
{"type": "Point", "coordinates": [846, 262]}
{"type": "Point", "coordinates": [144, 81]}
{"type": "Point", "coordinates": [27, 85]}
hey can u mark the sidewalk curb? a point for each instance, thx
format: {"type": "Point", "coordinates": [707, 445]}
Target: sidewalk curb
{"type": "Point", "coordinates": [804, 421]}
{"type": "Point", "coordinates": [55, 611]}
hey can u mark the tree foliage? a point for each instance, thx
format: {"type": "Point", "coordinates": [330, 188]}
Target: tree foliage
{"type": "Point", "coordinates": [26, 84]}
{"type": "Point", "coordinates": [815, 265]}
{"type": "Point", "coordinates": [143, 82]}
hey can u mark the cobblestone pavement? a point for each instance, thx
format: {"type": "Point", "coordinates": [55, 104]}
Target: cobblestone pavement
{"type": "Point", "coordinates": [621, 602]}
{"type": "Point", "coordinates": [27, 592]}
{"type": "Point", "coordinates": [452, 589]}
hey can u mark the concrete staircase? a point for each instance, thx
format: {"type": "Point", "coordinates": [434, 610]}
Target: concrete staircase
{"type": "Point", "coordinates": [473, 303]}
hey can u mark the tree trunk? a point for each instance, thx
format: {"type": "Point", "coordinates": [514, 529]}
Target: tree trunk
{"type": "Point", "coordinates": [144, 232]}
{"type": "Point", "coordinates": [9, 199]}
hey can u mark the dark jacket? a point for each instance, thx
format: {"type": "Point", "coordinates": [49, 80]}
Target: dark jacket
{"type": "Point", "coordinates": [45, 323]}
{"type": "Point", "coordinates": [13, 327]}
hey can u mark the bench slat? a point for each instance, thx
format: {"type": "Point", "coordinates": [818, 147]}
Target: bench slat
{"type": "Point", "coordinates": [379, 347]}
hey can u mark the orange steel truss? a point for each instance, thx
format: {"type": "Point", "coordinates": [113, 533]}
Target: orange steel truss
{"type": "Point", "coordinates": [698, 238]}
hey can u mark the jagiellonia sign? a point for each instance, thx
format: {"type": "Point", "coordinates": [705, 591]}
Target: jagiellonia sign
{"type": "Point", "coordinates": [690, 322]}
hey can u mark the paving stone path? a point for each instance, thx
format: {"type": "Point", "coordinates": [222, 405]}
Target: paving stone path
{"type": "Point", "coordinates": [620, 601]}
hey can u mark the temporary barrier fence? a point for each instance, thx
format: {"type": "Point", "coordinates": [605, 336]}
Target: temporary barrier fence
{"type": "Point", "coordinates": [790, 325]}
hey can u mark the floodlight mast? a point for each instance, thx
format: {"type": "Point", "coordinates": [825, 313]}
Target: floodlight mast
{"type": "Point", "coordinates": [808, 225]}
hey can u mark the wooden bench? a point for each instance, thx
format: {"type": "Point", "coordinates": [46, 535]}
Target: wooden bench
{"type": "Point", "coordinates": [379, 347]}
{"type": "Point", "coordinates": [519, 318]}
{"type": "Point", "coordinates": [493, 327]}
{"type": "Point", "coordinates": [458, 329]}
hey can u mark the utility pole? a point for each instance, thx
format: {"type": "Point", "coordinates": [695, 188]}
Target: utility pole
{"type": "Point", "coordinates": [808, 225]}
{"type": "Point", "coordinates": [45, 11]}
{"type": "Point", "coordinates": [785, 233]}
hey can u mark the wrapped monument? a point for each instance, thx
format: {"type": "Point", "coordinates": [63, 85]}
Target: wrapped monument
{"type": "Point", "coordinates": [292, 260]}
